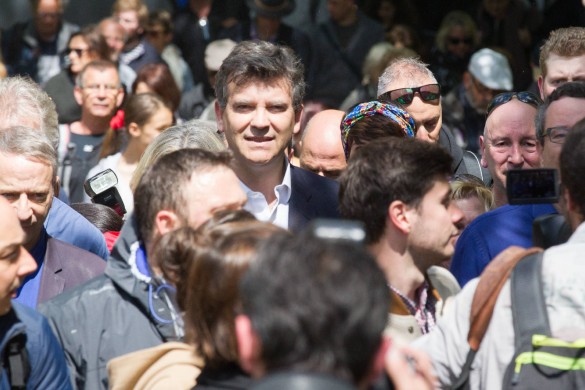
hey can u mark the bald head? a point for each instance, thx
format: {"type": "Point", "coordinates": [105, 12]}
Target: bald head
{"type": "Point", "coordinates": [321, 148]}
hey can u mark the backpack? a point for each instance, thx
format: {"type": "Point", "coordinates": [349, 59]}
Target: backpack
{"type": "Point", "coordinates": [540, 361]}
{"type": "Point", "coordinates": [16, 363]}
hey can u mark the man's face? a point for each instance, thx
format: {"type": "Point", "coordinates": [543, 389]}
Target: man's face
{"type": "Point", "coordinates": [158, 37]}
{"type": "Point", "coordinates": [210, 191]}
{"type": "Point", "coordinates": [258, 121]}
{"type": "Point", "coordinates": [560, 70]}
{"type": "Point", "coordinates": [563, 112]}
{"type": "Point", "coordinates": [28, 185]}
{"type": "Point", "coordinates": [101, 93]}
{"type": "Point", "coordinates": [427, 116]}
{"type": "Point", "coordinates": [48, 17]}
{"type": "Point", "coordinates": [321, 147]}
{"type": "Point", "coordinates": [509, 141]}
{"type": "Point", "coordinates": [434, 227]}
{"type": "Point", "coordinates": [339, 9]}
{"type": "Point", "coordinates": [479, 95]}
{"type": "Point", "coordinates": [15, 262]}
{"type": "Point", "coordinates": [129, 20]}
{"type": "Point", "coordinates": [115, 37]}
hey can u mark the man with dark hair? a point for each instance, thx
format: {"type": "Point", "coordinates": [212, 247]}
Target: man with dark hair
{"type": "Point", "coordinates": [494, 231]}
{"type": "Point", "coordinates": [259, 90]}
{"type": "Point", "coordinates": [561, 284]}
{"type": "Point", "coordinates": [399, 189]}
{"type": "Point", "coordinates": [318, 317]}
{"type": "Point", "coordinates": [131, 307]}
{"type": "Point", "coordinates": [26, 340]}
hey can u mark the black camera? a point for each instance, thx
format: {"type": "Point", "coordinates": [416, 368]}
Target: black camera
{"type": "Point", "coordinates": [531, 186]}
{"type": "Point", "coordinates": [101, 188]}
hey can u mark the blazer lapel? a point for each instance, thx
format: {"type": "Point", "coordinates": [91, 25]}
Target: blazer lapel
{"type": "Point", "coordinates": [52, 283]}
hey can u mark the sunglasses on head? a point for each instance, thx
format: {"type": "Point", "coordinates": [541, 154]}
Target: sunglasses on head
{"type": "Point", "coordinates": [405, 96]}
{"type": "Point", "coordinates": [505, 97]}
{"type": "Point", "coordinates": [459, 41]}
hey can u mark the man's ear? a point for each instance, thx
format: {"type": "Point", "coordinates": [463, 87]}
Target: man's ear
{"type": "Point", "coordinates": [378, 362]}
{"type": "Point", "coordinates": [78, 94]}
{"type": "Point", "coordinates": [120, 97]}
{"type": "Point", "coordinates": [218, 116]}
{"type": "Point", "coordinates": [56, 186]}
{"type": "Point", "coordinates": [166, 221]}
{"type": "Point", "coordinates": [399, 217]}
{"type": "Point", "coordinates": [541, 86]}
{"type": "Point", "coordinates": [467, 80]}
{"type": "Point", "coordinates": [249, 346]}
{"type": "Point", "coordinates": [298, 116]}
{"type": "Point", "coordinates": [482, 148]}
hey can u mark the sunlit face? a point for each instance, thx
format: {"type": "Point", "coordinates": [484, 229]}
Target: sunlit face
{"type": "Point", "coordinates": [321, 147]}
{"type": "Point", "coordinates": [28, 185]}
{"type": "Point", "coordinates": [258, 121]}
{"type": "Point", "coordinates": [15, 261]}
{"type": "Point", "coordinates": [79, 54]}
{"type": "Point", "coordinates": [428, 116]}
{"type": "Point", "coordinates": [560, 70]}
{"type": "Point", "coordinates": [210, 191]}
{"type": "Point", "coordinates": [48, 17]}
{"type": "Point", "coordinates": [563, 112]}
{"type": "Point", "coordinates": [129, 20]}
{"type": "Point", "coordinates": [161, 120]}
{"type": "Point", "coordinates": [101, 93]}
{"type": "Point", "coordinates": [434, 225]}
{"type": "Point", "coordinates": [509, 141]}
{"type": "Point", "coordinates": [115, 37]}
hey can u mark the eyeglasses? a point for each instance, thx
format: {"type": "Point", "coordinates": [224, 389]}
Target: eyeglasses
{"type": "Point", "coordinates": [78, 52]}
{"type": "Point", "coordinates": [556, 135]}
{"type": "Point", "coordinates": [405, 96]}
{"type": "Point", "coordinates": [459, 41]}
{"type": "Point", "coordinates": [503, 98]}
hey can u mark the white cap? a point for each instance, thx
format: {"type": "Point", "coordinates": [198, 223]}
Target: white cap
{"type": "Point", "coordinates": [491, 69]}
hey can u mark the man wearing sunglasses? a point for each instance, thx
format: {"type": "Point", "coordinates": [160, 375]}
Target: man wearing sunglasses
{"type": "Point", "coordinates": [464, 108]}
{"type": "Point", "coordinates": [496, 230]}
{"type": "Point", "coordinates": [409, 82]}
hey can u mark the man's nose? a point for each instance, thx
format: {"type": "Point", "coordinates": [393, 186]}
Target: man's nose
{"type": "Point", "coordinates": [260, 119]}
{"type": "Point", "coordinates": [28, 264]}
{"type": "Point", "coordinates": [23, 209]}
{"type": "Point", "coordinates": [516, 157]}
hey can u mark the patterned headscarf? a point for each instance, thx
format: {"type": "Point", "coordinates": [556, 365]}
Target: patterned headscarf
{"type": "Point", "coordinates": [363, 110]}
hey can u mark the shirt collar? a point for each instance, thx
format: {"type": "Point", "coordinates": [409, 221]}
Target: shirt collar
{"type": "Point", "coordinates": [282, 191]}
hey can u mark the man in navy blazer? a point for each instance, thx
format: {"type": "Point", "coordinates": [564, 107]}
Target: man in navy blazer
{"type": "Point", "coordinates": [259, 90]}
{"type": "Point", "coordinates": [28, 165]}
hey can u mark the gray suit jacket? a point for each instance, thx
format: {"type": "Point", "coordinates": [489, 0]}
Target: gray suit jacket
{"type": "Point", "coordinates": [66, 266]}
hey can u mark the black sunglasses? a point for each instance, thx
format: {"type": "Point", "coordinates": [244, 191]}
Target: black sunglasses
{"type": "Point", "coordinates": [505, 97]}
{"type": "Point", "coordinates": [405, 96]}
{"type": "Point", "coordinates": [78, 52]}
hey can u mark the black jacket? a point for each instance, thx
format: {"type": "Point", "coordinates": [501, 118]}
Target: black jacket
{"type": "Point", "coordinates": [110, 315]}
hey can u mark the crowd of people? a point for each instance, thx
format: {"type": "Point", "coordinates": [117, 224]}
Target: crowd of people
{"type": "Point", "coordinates": [272, 194]}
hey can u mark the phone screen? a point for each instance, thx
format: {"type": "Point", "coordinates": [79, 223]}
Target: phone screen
{"type": "Point", "coordinates": [529, 186]}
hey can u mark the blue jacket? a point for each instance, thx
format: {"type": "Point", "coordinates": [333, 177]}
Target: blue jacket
{"type": "Point", "coordinates": [46, 358]}
{"type": "Point", "coordinates": [491, 233]}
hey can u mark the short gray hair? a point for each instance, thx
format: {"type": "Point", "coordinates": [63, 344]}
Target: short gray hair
{"type": "Point", "coordinates": [30, 143]}
{"type": "Point", "coordinates": [195, 133]}
{"type": "Point", "coordinates": [404, 68]}
{"type": "Point", "coordinates": [24, 102]}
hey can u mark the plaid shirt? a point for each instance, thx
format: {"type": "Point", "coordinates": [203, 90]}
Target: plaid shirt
{"type": "Point", "coordinates": [424, 309]}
